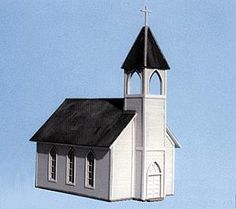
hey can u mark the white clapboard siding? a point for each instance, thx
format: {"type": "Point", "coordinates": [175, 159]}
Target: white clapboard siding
{"type": "Point", "coordinates": [136, 103]}
{"type": "Point", "coordinates": [122, 160]}
{"type": "Point", "coordinates": [169, 187]}
{"type": "Point", "coordinates": [155, 122]}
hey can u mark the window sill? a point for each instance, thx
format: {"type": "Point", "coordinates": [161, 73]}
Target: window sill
{"type": "Point", "coordinates": [52, 180]}
{"type": "Point", "coordinates": [70, 184]}
{"type": "Point", "coordinates": [89, 187]}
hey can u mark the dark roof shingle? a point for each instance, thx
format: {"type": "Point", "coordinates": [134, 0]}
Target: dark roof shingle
{"type": "Point", "coordinates": [85, 122]}
{"type": "Point", "coordinates": [154, 57]}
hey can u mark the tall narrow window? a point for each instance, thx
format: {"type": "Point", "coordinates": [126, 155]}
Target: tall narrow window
{"type": "Point", "coordinates": [135, 83]}
{"type": "Point", "coordinates": [155, 84]}
{"type": "Point", "coordinates": [90, 168]}
{"type": "Point", "coordinates": [52, 164]}
{"type": "Point", "coordinates": [71, 167]}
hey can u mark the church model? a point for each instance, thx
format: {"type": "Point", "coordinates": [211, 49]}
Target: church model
{"type": "Point", "coordinates": [113, 149]}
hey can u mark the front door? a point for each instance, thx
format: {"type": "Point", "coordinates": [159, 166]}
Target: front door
{"type": "Point", "coordinates": [154, 182]}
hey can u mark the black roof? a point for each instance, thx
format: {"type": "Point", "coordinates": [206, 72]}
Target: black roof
{"type": "Point", "coordinates": [154, 56]}
{"type": "Point", "coordinates": [86, 122]}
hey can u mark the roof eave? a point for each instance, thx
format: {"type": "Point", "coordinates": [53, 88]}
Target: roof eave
{"type": "Point", "coordinates": [173, 137]}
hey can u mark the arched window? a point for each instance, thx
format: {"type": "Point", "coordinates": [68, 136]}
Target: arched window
{"type": "Point", "coordinates": [52, 164]}
{"type": "Point", "coordinates": [90, 170]}
{"type": "Point", "coordinates": [71, 167]}
{"type": "Point", "coordinates": [135, 83]}
{"type": "Point", "coordinates": [155, 84]}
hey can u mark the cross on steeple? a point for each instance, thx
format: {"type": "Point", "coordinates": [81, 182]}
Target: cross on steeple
{"type": "Point", "coordinates": [146, 13]}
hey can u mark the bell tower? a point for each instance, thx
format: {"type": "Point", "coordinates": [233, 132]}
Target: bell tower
{"type": "Point", "coordinates": [146, 62]}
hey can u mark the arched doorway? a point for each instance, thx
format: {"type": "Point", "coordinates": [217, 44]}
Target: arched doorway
{"type": "Point", "coordinates": [154, 181]}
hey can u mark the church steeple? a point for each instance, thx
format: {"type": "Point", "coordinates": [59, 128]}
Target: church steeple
{"type": "Point", "coordinates": [147, 65]}
{"type": "Point", "coordinates": [145, 59]}
{"type": "Point", "coordinates": [145, 52]}
{"type": "Point", "coordinates": [154, 57]}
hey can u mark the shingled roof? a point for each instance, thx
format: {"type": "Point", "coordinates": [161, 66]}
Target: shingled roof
{"type": "Point", "coordinates": [154, 57]}
{"type": "Point", "coordinates": [86, 122]}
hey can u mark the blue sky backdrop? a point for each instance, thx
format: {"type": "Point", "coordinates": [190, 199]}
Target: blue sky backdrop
{"type": "Point", "coordinates": [52, 50]}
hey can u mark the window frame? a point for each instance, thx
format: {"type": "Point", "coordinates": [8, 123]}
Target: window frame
{"type": "Point", "coordinates": [50, 168]}
{"type": "Point", "coordinates": [68, 163]}
{"type": "Point", "coordinates": [87, 184]}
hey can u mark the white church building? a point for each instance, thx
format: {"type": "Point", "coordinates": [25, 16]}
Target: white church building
{"type": "Point", "coordinates": [113, 148]}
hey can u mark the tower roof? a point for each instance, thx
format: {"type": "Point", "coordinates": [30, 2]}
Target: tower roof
{"type": "Point", "coordinates": [145, 53]}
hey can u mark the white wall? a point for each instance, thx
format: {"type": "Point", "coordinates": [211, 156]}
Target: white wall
{"type": "Point", "coordinates": [101, 189]}
{"type": "Point", "coordinates": [155, 122]}
{"type": "Point", "coordinates": [150, 131]}
{"type": "Point", "coordinates": [136, 103]}
{"type": "Point", "coordinates": [155, 131]}
{"type": "Point", "coordinates": [122, 162]}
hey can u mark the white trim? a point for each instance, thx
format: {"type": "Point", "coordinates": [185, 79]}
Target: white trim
{"type": "Point", "coordinates": [144, 120]}
{"type": "Point", "coordinates": [111, 175]}
{"type": "Point", "coordinates": [133, 165]}
{"type": "Point", "coordinates": [36, 165]}
{"type": "Point", "coordinates": [165, 105]}
{"type": "Point", "coordinates": [164, 175]}
{"type": "Point", "coordinates": [125, 84]}
{"type": "Point", "coordinates": [134, 96]}
{"type": "Point", "coordinates": [165, 84]}
{"type": "Point", "coordinates": [173, 171]}
{"type": "Point", "coordinates": [156, 96]}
